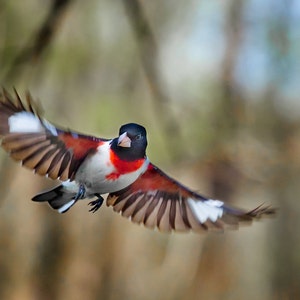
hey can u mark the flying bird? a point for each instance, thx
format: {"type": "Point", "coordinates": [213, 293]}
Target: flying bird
{"type": "Point", "coordinates": [89, 166]}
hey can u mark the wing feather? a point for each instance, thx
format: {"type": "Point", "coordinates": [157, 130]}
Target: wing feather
{"type": "Point", "coordinates": [151, 219]}
{"type": "Point", "coordinates": [157, 200]}
{"type": "Point", "coordinates": [152, 205]}
{"type": "Point", "coordinates": [163, 222]}
{"type": "Point", "coordinates": [38, 144]}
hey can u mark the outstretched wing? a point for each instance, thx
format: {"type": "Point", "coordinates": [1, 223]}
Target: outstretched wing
{"type": "Point", "coordinates": [156, 200]}
{"type": "Point", "coordinates": [38, 144]}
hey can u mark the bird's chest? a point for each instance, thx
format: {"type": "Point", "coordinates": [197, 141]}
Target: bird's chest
{"type": "Point", "coordinates": [102, 172]}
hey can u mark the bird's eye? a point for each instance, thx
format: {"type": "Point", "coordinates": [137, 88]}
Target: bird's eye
{"type": "Point", "coordinates": [138, 137]}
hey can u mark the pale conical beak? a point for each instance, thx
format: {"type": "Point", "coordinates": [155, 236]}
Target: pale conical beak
{"type": "Point", "coordinates": [124, 140]}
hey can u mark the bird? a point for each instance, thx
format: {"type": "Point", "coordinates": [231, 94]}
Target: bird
{"type": "Point", "coordinates": [88, 167]}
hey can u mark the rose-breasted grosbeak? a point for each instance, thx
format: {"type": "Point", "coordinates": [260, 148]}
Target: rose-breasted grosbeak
{"type": "Point", "coordinates": [88, 167]}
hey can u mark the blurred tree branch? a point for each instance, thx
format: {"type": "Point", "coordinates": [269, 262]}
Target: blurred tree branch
{"type": "Point", "coordinates": [31, 53]}
{"type": "Point", "coordinates": [283, 132]}
{"type": "Point", "coordinates": [55, 254]}
{"type": "Point", "coordinates": [38, 44]}
{"type": "Point", "coordinates": [224, 177]}
{"type": "Point", "coordinates": [230, 102]}
{"type": "Point", "coordinates": [230, 108]}
{"type": "Point", "coordinates": [149, 53]}
{"type": "Point", "coordinates": [52, 259]}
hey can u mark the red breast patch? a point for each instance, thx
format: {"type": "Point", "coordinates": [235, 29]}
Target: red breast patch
{"type": "Point", "coordinates": [123, 167]}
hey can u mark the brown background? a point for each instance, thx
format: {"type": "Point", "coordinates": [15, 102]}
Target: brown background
{"type": "Point", "coordinates": [216, 83]}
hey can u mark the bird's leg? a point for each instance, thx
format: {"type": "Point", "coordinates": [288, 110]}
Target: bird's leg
{"type": "Point", "coordinates": [96, 204]}
{"type": "Point", "coordinates": [81, 193]}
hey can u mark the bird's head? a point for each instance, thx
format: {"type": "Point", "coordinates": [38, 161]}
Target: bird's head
{"type": "Point", "coordinates": [131, 143]}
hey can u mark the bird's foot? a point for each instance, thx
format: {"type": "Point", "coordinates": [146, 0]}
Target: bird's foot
{"type": "Point", "coordinates": [96, 204]}
{"type": "Point", "coordinates": [81, 193]}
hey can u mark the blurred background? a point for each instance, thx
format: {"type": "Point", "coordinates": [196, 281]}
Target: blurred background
{"type": "Point", "coordinates": [216, 83]}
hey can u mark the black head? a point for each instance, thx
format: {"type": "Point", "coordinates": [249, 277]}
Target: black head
{"type": "Point", "coordinates": [131, 143]}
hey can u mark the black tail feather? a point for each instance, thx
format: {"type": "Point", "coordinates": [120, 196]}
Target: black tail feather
{"type": "Point", "coordinates": [57, 198]}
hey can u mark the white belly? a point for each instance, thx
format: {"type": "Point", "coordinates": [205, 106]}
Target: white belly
{"type": "Point", "coordinates": [94, 170]}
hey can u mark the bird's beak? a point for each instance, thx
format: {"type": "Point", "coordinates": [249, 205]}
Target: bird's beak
{"type": "Point", "coordinates": [124, 140]}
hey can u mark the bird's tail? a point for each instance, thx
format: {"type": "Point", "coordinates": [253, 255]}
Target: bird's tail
{"type": "Point", "coordinates": [59, 198]}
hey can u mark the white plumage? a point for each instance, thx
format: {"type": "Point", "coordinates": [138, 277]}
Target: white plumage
{"type": "Point", "coordinates": [209, 209]}
{"type": "Point", "coordinates": [24, 122]}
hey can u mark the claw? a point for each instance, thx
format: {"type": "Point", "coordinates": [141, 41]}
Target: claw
{"type": "Point", "coordinates": [96, 204]}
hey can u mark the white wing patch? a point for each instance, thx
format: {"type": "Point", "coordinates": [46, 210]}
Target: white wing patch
{"type": "Point", "coordinates": [24, 122]}
{"type": "Point", "coordinates": [27, 122]}
{"type": "Point", "coordinates": [208, 209]}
